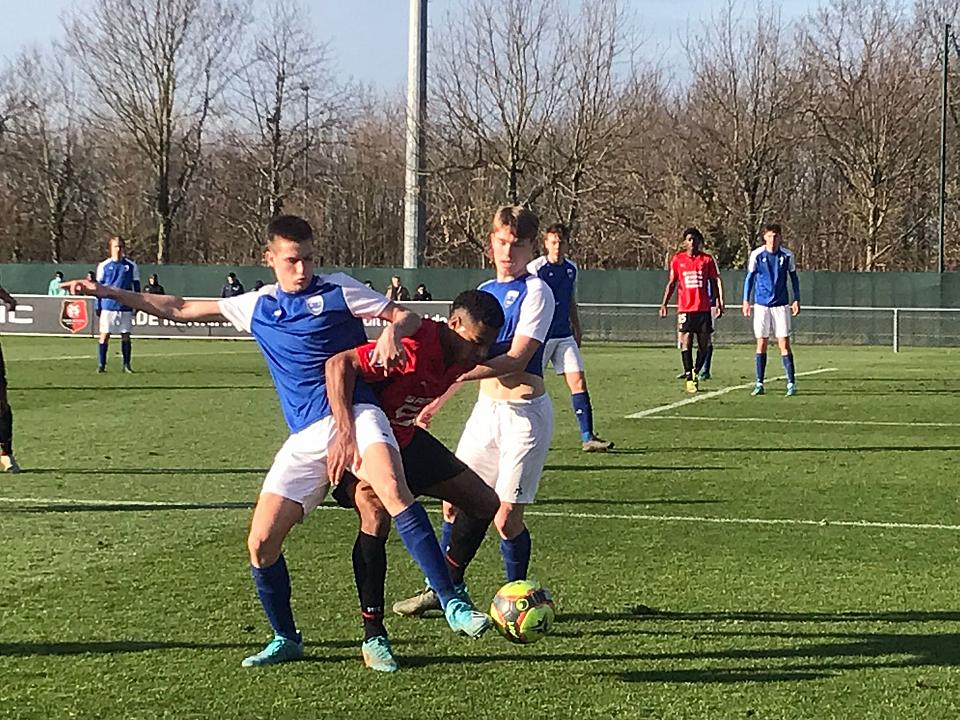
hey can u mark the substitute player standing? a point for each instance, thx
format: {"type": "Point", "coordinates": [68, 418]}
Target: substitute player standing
{"type": "Point", "coordinates": [299, 323]}
{"type": "Point", "coordinates": [565, 337]}
{"type": "Point", "coordinates": [766, 279]}
{"type": "Point", "coordinates": [8, 463]}
{"type": "Point", "coordinates": [695, 272]}
{"type": "Point", "coordinates": [121, 272]}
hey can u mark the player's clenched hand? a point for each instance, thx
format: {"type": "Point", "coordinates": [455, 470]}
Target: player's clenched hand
{"type": "Point", "coordinates": [84, 287]}
{"type": "Point", "coordinates": [746, 309]}
{"type": "Point", "coordinates": [795, 308]}
{"type": "Point", "coordinates": [425, 416]}
{"type": "Point", "coordinates": [389, 352]}
{"type": "Point", "coordinates": [342, 454]}
{"type": "Point", "coordinates": [663, 311]}
{"type": "Point", "coordinates": [720, 309]}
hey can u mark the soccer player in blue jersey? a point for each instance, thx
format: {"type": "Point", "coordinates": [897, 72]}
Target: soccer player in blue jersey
{"type": "Point", "coordinates": [299, 323]}
{"type": "Point", "coordinates": [562, 348]}
{"type": "Point", "coordinates": [507, 437]}
{"type": "Point", "coordinates": [121, 272]}
{"type": "Point", "coordinates": [766, 280]}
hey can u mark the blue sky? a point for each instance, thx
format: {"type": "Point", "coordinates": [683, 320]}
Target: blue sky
{"type": "Point", "coordinates": [369, 37]}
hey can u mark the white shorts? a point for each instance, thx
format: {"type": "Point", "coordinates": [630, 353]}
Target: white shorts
{"type": "Point", "coordinates": [116, 321]}
{"type": "Point", "coordinates": [506, 443]}
{"type": "Point", "coordinates": [773, 321]}
{"type": "Point", "coordinates": [299, 470]}
{"type": "Point", "coordinates": [564, 354]}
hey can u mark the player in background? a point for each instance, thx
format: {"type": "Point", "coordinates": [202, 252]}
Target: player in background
{"type": "Point", "coordinates": [565, 337]}
{"type": "Point", "coordinates": [766, 280]}
{"type": "Point", "coordinates": [8, 463]}
{"type": "Point", "coordinates": [299, 323]}
{"type": "Point", "coordinates": [121, 272]}
{"type": "Point", "coordinates": [507, 437]}
{"type": "Point", "coordinates": [435, 356]}
{"type": "Point", "coordinates": [704, 373]}
{"type": "Point", "coordinates": [695, 273]}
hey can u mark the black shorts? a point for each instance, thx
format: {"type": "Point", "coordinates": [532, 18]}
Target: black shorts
{"type": "Point", "coordinates": [695, 323]}
{"type": "Point", "coordinates": [3, 371]}
{"type": "Point", "coordinates": [426, 462]}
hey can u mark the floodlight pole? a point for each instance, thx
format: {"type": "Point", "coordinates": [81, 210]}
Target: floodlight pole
{"type": "Point", "coordinates": [943, 150]}
{"type": "Point", "coordinates": [414, 212]}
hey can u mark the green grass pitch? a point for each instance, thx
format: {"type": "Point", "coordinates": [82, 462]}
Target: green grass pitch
{"type": "Point", "coordinates": [125, 591]}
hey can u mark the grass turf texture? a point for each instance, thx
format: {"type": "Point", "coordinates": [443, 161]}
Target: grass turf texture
{"type": "Point", "coordinates": [139, 604]}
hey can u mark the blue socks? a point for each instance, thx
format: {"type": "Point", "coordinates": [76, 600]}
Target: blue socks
{"type": "Point", "coordinates": [418, 537]}
{"type": "Point", "coordinates": [760, 359]}
{"type": "Point", "coordinates": [516, 556]}
{"type": "Point", "coordinates": [102, 353]}
{"type": "Point", "coordinates": [584, 413]}
{"type": "Point", "coordinates": [125, 351]}
{"type": "Point", "coordinates": [446, 532]}
{"type": "Point", "coordinates": [273, 587]}
{"type": "Point", "coordinates": [788, 366]}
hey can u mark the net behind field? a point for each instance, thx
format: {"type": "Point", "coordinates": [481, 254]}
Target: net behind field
{"type": "Point", "coordinates": [815, 325]}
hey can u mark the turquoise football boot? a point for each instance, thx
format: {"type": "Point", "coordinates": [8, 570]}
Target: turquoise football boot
{"type": "Point", "coordinates": [464, 620]}
{"type": "Point", "coordinates": [758, 389]}
{"type": "Point", "coordinates": [377, 654]}
{"type": "Point", "coordinates": [278, 650]}
{"type": "Point", "coordinates": [791, 389]}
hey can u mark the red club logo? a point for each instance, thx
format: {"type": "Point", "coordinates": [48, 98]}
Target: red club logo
{"type": "Point", "coordinates": [73, 315]}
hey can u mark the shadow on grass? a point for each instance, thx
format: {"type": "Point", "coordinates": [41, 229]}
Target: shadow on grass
{"type": "Point", "coordinates": [32, 649]}
{"type": "Point", "coordinates": [648, 468]}
{"type": "Point", "coordinates": [149, 471]}
{"type": "Point", "coordinates": [54, 507]}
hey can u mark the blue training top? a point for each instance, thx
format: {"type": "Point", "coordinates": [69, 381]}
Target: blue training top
{"type": "Point", "coordinates": [561, 277]}
{"type": "Point", "coordinates": [527, 304]}
{"type": "Point", "coordinates": [123, 274]}
{"type": "Point", "coordinates": [298, 332]}
{"type": "Point", "coordinates": [767, 277]}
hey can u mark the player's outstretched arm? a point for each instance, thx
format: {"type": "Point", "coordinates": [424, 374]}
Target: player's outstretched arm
{"type": "Point", "coordinates": [341, 374]}
{"type": "Point", "coordinates": [9, 300]}
{"type": "Point", "coordinates": [403, 323]}
{"type": "Point", "coordinates": [169, 307]}
{"type": "Point", "coordinates": [514, 360]}
{"type": "Point", "coordinates": [430, 411]}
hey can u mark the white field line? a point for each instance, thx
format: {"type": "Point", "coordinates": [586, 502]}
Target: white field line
{"type": "Point", "coordinates": [536, 513]}
{"type": "Point", "coordinates": [793, 421]}
{"type": "Point", "coordinates": [91, 356]}
{"type": "Point", "coordinates": [700, 397]}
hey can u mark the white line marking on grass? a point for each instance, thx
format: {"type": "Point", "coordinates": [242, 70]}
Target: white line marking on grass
{"type": "Point", "coordinates": [242, 505]}
{"type": "Point", "coordinates": [699, 397]}
{"type": "Point", "coordinates": [794, 421]}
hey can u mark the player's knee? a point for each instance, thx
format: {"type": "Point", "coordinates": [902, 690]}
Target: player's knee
{"type": "Point", "coordinates": [488, 505]}
{"type": "Point", "coordinates": [509, 520]}
{"type": "Point", "coordinates": [264, 550]}
{"type": "Point", "coordinates": [374, 518]}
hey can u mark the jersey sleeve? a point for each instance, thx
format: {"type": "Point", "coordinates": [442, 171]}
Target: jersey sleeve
{"type": "Point", "coordinates": [136, 276]}
{"type": "Point", "coordinates": [100, 268]}
{"type": "Point", "coordinates": [710, 271]}
{"type": "Point", "coordinates": [534, 265]}
{"type": "Point", "coordinates": [674, 273]}
{"type": "Point", "coordinates": [362, 302]}
{"type": "Point", "coordinates": [536, 313]}
{"type": "Point", "coordinates": [239, 309]}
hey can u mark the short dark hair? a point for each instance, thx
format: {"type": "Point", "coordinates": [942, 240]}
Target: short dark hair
{"type": "Point", "coordinates": [481, 306]}
{"type": "Point", "coordinates": [771, 227]}
{"type": "Point", "coordinates": [560, 230]}
{"type": "Point", "coordinates": [289, 227]}
{"type": "Point", "coordinates": [522, 221]}
{"type": "Point", "coordinates": [59, 274]}
{"type": "Point", "coordinates": [231, 275]}
{"type": "Point", "coordinates": [693, 232]}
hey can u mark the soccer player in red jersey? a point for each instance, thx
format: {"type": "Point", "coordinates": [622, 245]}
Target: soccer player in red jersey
{"type": "Point", "coordinates": [437, 354]}
{"type": "Point", "coordinates": [696, 275]}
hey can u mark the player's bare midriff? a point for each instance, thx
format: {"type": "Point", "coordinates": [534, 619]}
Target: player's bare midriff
{"type": "Point", "coordinates": [516, 386]}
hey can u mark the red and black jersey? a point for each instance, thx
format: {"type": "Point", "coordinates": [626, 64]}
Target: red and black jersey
{"type": "Point", "coordinates": [692, 274]}
{"type": "Point", "coordinates": [405, 391]}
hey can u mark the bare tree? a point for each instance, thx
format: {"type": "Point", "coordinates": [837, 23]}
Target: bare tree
{"type": "Point", "coordinates": [156, 67]}
{"type": "Point", "coordinates": [872, 109]}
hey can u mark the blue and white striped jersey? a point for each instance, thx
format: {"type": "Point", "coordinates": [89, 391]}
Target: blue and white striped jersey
{"type": "Point", "coordinates": [527, 304]}
{"type": "Point", "coordinates": [767, 277]}
{"type": "Point", "coordinates": [297, 334]}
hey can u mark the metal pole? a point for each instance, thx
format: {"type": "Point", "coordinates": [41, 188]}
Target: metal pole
{"type": "Point", "coordinates": [306, 144]}
{"type": "Point", "coordinates": [943, 149]}
{"type": "Point", "coordinates": [414, 213]}
{"type": "Point", "coordinates": [896, 330]}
